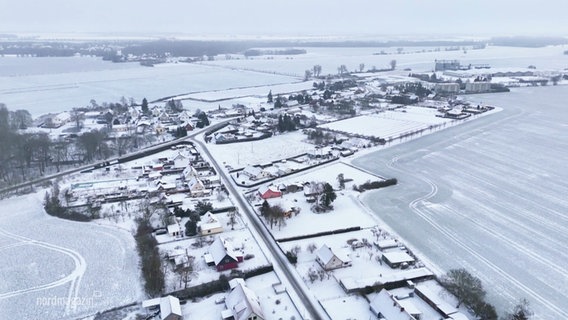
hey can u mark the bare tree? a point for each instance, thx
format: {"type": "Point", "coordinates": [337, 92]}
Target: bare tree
{"type": "Point", "coordinates": [361, 67]}
{"type": "Point", "coordinates": [393, 64]}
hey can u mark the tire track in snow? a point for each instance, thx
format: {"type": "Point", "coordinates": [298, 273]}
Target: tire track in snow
{"type": "Point", "coordinates": [414, 206]}
{"type": "Point", "coordinates": [74, 277]}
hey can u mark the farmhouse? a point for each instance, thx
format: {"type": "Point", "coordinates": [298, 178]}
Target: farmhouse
{"type": "Point", "coordinates": [329, 261]}
{"type": "Point", "coordinates": [242, 303]}
{"type": "Point", "coordinates": [209, 224]}
{"type": "Point", "coordinates": [269, 192]}
{"type": "Point", "coordinates": [222, 255]}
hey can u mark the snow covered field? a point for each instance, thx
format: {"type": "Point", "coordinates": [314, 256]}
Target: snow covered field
{"type": "Point", "coordinates": [59, 84]}
{"type": "Point", "coordinates": [489, 196]}
{"type": "Point", "coordinates": [58, 269]}
{"type": "Point", "coordinates": [389, 124]}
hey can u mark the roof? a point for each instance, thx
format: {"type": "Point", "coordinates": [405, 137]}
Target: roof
{"type": "Point", "coordinates": [325, 254]}
{"type": "Point", "coordinates": [209, 221]}
{"type": "Point", "coordinates": [389, 307]}
{"type": "Point", "coordinates": [252, 171]}
{"type": "Point", "coordinates": [220, 248]}
{"type": "Point", "coordinates": [398, 257]}
{"type": "Point", "coordinates": [169, 305]}
{"type": "Point", "coordinates": [242, 301]}
{"type": "Point", "coordinates": [174, 228]}
{"type": "Point", "coordinates": [265, 189]}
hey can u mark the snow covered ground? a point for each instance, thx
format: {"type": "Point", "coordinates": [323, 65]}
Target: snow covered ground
{"type": "Point", "coordinates": [58, 269]}
{"type": "Point", "coordinates": [489, 196]}
{"type": "Point", "coordinates": [390, 124]}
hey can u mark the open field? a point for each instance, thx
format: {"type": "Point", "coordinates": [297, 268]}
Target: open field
{"type": "Point", "coordinates": [489, 196]}
{"type": "Point", "coordinates": [52, 268]}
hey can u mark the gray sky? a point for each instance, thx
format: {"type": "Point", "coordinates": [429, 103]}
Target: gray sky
{"type": "Point", "coordinates": [287, 17]}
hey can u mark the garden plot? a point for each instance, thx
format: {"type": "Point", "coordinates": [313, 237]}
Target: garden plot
{"type": "Point", "coordinates": [197, 247]}
{"type": "Point", "coordinates": [390, 124]}
{"type": "Point", "coordinates": [241, 154]}
{"type": "Point", "coordinates": [348, 211]}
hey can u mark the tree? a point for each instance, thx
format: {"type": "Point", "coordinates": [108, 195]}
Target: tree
{"type": "Point", "coordinates": [145, 108]}
{"type": "Point", "coordinates": [467, 288]}
{"type": "Point", "coordinates": [270, 97]}
{"type": "Point", "coordinates": [521, 311]}
{"type": "Point", "coordinates": [317, 70]}
{"type": "Point", "coordinates": [328, 196]}
{"type": "Point", "coordinates": [203, 119]}
{"type": "Point", "coordinates": [341, 180]}
{"type": "Point", "coordinates": [191, 227]}
{"type": "Point", "coordinates": [361, 67]}
{"type": "Point", "coordinates": [342, 69]}
{"type": "Point", "coordinates": [307, 75]}
{"type": "Point", "coordinates": [202, 207]}
{"type": "Point", "coordinates": [278, 102]}
{"type": "Point", "coordinates": [484, 310]}
{"type": "Point", "coordinates": [393, 64]}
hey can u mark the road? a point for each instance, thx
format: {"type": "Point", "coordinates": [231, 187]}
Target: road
{"type": "Point", "coordinates": [312, 307]}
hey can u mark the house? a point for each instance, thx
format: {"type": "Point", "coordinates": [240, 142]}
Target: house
{"type": "Point", "coordinates": [222, 255]}
{"type": "Point", "coordinates": [170, 308]}
{"type": "Point", "coordinates": [175, 230]}
{"type": "Point", "coordinates": [188, 173]}
{"type": "Point", "coordinates": [386, 306]}
{"type": "Point", "coordinates": [242, 303]}
{"type": "Point", "coordinates": [269, 192]}
{"type": "Point", "coordinates": [184, 117]}
{"type": "Point", "coordinates": [255, 173]}
{"type": "Point", "coordinates": [329, 260]}
{"type": "Point", "coordinates": [196, 187]}
{"type": "Point", "coordinates": [209, 224]}
{"type": "Point", "coordinates": [397, 259]}
{"type": "Point", "coordinates": [181, 161]}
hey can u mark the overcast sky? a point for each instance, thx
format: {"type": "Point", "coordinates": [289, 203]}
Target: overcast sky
{"type": "Point", "coordinates": [287, 17]}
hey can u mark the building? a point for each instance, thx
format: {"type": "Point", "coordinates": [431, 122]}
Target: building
{"type": "Point", "coordinates": [449, 87]}
{"type": "Point", "coordinates": [386, 306]}
{"type": "Point", "coordinates": [442, 65]}
{"type": "Point", "coordinates": [175, 230]}
{"type": "Point", "coordinates": [170, 308]}
{"type": "Point", "coordinates": [209, 224]}
{"type": "Point", "coordinates": [255, 173]}
{"type": "Point", "coordinates": [476, 87]}
{"type": "Point", "coordinates": [269, 192]}
{"type": "Point", "coordinates": [196, 187]}
{"type": "Point", "coordinates": [329, 260]}
{"type": "Point", "coordinates": [242, 303]}
{"type": "Point", "coordinates": [396, 259]}
{"type": "Point", "coordinates": [222, 255]}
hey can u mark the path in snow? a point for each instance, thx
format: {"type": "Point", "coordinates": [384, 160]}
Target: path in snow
{"type": "Point", "coordinates": [488, 195]}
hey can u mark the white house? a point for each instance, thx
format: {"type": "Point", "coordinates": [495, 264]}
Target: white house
{"type": "Point", "coordinates": [329, 260]}
{"type": "Point", "coordinates": [170, 308]}
{"type": "Point", "coordinates": [242, 303]}
{"type": "Point", "coordinates": [255, 173]}
{"type": "Point", "coordinates": [189, 172]}
{"type": "Point", "coordinates": [175, 230]}
{"type": "Point", "coordinates": [386, 306]}
{"type": "Point", "coordinates": [209, 224]}
{"type": "Point", "coordinates": [181, 161]}
{"type": "Point", "coordinates": [196, 187]}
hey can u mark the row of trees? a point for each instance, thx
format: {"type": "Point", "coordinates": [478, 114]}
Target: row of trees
{"type": "Point", "coordinates": [469, 290]}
